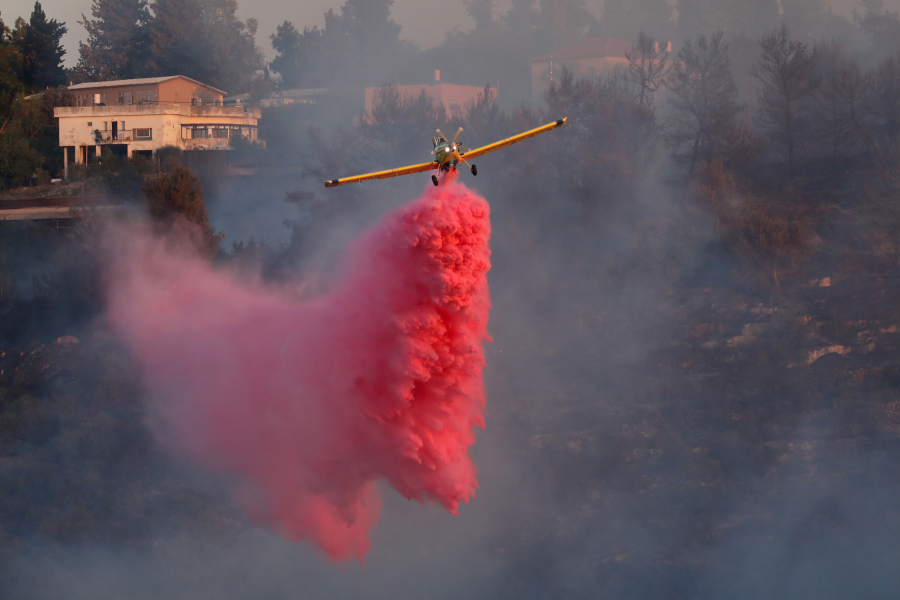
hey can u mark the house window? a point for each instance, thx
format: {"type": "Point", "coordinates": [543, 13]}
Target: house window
{"type": "Point", "coordinates": [143, 134]}
{"type": "Point", "coordinates": [126, 98]}
{"type": "Point", "coordinates": [220, 133]}
{"type": "Point", "coordinates": [200, 133]}
{"type": "Point", "coordinates": [144, 96]}
{"type": "Point", "coordinates": [90, 123]}
{"type": "Point", "coordinates": [82, 100]}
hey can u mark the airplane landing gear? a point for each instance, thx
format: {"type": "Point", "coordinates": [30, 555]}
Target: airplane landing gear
{"type": "Point", "coordinates": [474, 170]}
{"type": "Point", "coordinates": [434, 179]}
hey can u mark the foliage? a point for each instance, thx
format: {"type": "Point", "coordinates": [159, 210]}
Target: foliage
{"type": "Point", "coordinates": [764, 234]}
{"type": "Point", "coordinates": [297, 56]}
{"type": "Point", "coordinates": [204, 40]}
{"type": "Point", "coordinates": [397, 121]}
{"type": "Point", "coordinates": [485, 116]}
{"type": "Point", "coordinates": [782, 241]}
{"type": "Point", "coordinates": [10, 58]}
{"type": "Point", "coordinates": [786, 74]}
{"type": "Point", "coordinates": [648, 67]}
{"type": "Point", "coordinates": [41, 50]}
{"type": "Point", "coordinates": [19, 161]}
{"type": "Point", "coordinates": [604, 121]}
{"type": "Point", "coordinates": [349, 46]}
{"type": "Point", "coordinates": [176, 198]}
{"type": "Point", "coordinates": [113, 174]}
{"type": "Point", "coordinates": [169, 158]}
{"type": "Point", "coordinates": [885, 108]}
{"type": "Point", "coordinates": [118, 41]}
{"type": "Point", "coordinates": [882, 27]}
{"type": "Point", "coordinates": [840, 97]}
{"type": "Point", "coordinates": [480, 11]}
{"type": "Point", "coordinates": [702, 119]}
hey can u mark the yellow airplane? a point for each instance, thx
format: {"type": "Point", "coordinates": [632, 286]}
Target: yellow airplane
{"type": "Point", "coordinates": [447, 155]}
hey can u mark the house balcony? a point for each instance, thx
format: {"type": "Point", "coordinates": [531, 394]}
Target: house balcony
{"type": "Point", "coordinates": [212, 144]}
{"type": "Point", "coordinates": [108, 137]}
{"type": "Point", "coordinates": [131, 110]}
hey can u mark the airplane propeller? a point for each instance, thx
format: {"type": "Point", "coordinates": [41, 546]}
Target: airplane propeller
{"type": "Point", "coordinates": [441, 136]}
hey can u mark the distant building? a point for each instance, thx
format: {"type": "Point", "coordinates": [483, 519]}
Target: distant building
{"type": "Point", "coordinates": [453, 97]}
{"type": "Point", "coordinates": [142, 115]}
{"type": "Point", "coordinates": [587, 58]}
{"type": "Point", "coordinates": [289, 97]}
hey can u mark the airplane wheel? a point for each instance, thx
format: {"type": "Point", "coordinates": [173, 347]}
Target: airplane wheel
{"type": "Point", "coordinates": [474, 170]}
{"type": "Point", "coordinates": [434, 179]}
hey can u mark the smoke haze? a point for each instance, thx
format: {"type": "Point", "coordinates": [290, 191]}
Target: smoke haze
{"type": "Point", "coordinates": [692, 384]}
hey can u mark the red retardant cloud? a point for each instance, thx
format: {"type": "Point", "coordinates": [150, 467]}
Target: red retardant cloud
{"type": "Point", "coordinates": [311, 402]}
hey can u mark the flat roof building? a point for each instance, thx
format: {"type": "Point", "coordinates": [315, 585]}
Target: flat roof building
{"type": "Point", "coordinates": [142, 115]}
{"type": "Point", "coordinates": [587, 58]}
{"type": "Point", "coordinates": [453, 97]}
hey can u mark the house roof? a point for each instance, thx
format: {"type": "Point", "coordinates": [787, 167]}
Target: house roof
{"type": "Point", "coordinates": [304, 92]}
{"type": "Point", "coordinates": [592, 48]}
{"type": "Point", "coordinates": [128, 82]}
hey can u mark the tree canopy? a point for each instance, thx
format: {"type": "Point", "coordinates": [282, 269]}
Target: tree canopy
{"type": "Point", "coordinates": [204, 40]}
{"type": "Point", "coordinates": [42, 52]}
{"type": "Point", "coordinates": [118, 42]}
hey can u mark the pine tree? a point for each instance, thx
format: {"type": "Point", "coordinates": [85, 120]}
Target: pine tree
{"type": "Point", "coordinates": [10, 85]}
{"type": "Point", "coordinates": [177, 197]}
{"type": "Point", "coordinates": [118, 40]}
{"type": "Point", "coordinates": [355, 40]}
{"type": "Point", "coordinates": [786, 74]}
{"type": "Point", "coordinates": [481, 11]}
{"type": "Point", "coordinates": [41, 51]}
{"type": "Point", "coordinates": [296, 55]}
{"type": "Point", "coordinates": [703, 104]}
{"type": "Point", "coordinates": [204, 40]}
{"type": "Point", "coordinates": [522, 17]}
{"type": "Point", "coordinates": [369, 21]}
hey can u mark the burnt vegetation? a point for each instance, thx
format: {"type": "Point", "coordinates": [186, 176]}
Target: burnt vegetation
{"type": "Point", "coordinates": [696, 288]}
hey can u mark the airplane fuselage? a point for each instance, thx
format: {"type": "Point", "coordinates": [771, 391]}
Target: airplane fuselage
{"type": "Point", "coordinates": [447, 155]}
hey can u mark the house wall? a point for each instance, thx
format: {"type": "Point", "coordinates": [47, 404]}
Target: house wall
{"type": "Point", "coordinates": [110, 95]}
{"type": "Point", "coordinates": [165, 121]}
{"type": "Point", "coordinates": [457, 97]}
{"type": "Point", "coordinates": [452, 96]}
{"type": "Point", "coordinates": [181, 90]}
{"type": "Point", "coordinates": [173, 91]}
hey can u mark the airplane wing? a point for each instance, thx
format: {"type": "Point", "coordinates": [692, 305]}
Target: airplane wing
{"type": "Point", "coordinates": [512, 140]}
{"type": "Point", "coordinates": [383, 174]}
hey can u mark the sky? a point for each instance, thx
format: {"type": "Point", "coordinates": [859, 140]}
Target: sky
{"type": "Point", "coordinates": [424, 22]}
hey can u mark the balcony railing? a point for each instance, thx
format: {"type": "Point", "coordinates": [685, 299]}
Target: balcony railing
{"type": "Point", "coordinates": [191, 102]}
{"type": "Point", "coordinates": [109, 137]}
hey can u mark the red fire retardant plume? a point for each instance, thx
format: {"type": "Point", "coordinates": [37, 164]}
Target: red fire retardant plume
{"type": "Point", "coordinates": [311, 402]}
